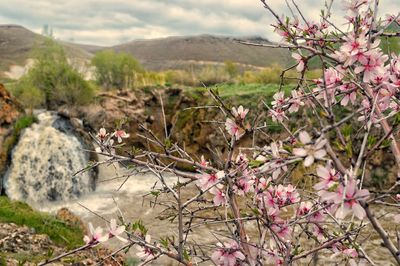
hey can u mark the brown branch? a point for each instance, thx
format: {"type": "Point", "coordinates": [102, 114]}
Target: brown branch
{"type": "Point", "coordinates": [381, 231]}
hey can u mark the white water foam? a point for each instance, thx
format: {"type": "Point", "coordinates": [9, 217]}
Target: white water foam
{"type": "Point", "coordinates": [43, 163]}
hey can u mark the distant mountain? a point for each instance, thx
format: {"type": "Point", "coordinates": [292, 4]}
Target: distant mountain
{"type": "Point", "coordinates": [175, 52]}
{"type": "Point", "coordinates": [17, 42]}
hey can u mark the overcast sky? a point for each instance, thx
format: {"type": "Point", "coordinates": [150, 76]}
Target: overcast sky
{"type": "Point", "coordinates": [110, 22]}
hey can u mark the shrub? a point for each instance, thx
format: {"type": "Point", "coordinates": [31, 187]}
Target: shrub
{"type": "Point", "coordinates": [115, 70]}
{"type": "Point", "coordinates": [52, 81]}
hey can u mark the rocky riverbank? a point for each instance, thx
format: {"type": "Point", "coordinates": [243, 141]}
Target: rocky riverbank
{"type": "Point", "coordinates": [21, 245]}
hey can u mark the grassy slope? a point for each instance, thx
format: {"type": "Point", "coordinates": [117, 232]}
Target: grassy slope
{"type": "Point", "coordinates": [21, 214]}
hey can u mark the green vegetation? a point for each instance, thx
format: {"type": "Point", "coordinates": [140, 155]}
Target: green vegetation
{"type": "Point", "coordinates": [231, 68]}
{"type": "Point", "coordinates": [23, 122]}
{"type": "Point", "coordinates": [52, 81]}
{"type": "Point", "coordinates": [21, 214]}
{"type": "Point", "coordinates": [115, 70]}
{"type": "Point", "coordinates": [249, 95]}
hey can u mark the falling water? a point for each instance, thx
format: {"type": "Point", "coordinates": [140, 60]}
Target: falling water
{"type": "Point", "coordinates": [44, 161]}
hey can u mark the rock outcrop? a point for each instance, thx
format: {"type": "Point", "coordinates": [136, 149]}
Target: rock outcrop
{"type": "Point", "coordinates": [143, 107]}
{"type": "Point", "coordinates": [10, 110]}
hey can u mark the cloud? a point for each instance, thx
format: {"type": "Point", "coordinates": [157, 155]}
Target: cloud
{"type": "Point", "coordinates": [109, 22]}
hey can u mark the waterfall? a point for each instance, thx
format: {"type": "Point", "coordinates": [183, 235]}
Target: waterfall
{"type": "Point", "coordinates": [44, 161]}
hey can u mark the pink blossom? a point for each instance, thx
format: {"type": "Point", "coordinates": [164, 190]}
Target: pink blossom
{"type": "Point", "coordinates": [391, 18]}
{"type": "Point", "coordinates": [310, 151]}
{"type": "Point", "coordinates": [243, 186]}
{"type": "Point", "coordinates": [300, 62]}
{"type": "Point", "coordinates": [102, 134]}
{"type": "Point", "coordinates": [318, 232]}
{"type": "Point", "coordinates": [329, 176]}
{"type": "Point", "coordinates": [351, 200]}
{"type": "Point", "coordinates": [233, 129]}
{"type": "Point", "coordinates": [263, 184]}
{"type": "Point", "coordinates": [304, 208]}
{"type": "Point", "coordinates": [350, 91]}
{"type": "Point", "coordinates": [372, 65]}
{"type": "Point", "coordinates": [354, 44]}
{"type": "Point", "coordinates": [295, 101]}
{"type": "Point", "coordinates": [397, 197]}
{"type": "Point", "coordinates": [278, 115]}
{"type": "Point", "coordinates": [332, 77]}
{"type": "Point", "coordinates": [317, 217]}
{"type": "Point", "coordinates": [95, 235]}
{"type": "Point", "coordinates": [120, 134]}
{"type": "Point", "coordinates": [277, 163]}
{"type": "Point", "coordinates": [240, 112]}
{"type": "Point", "coordinates": [273, 215]}
{"type": "Point", "coordinates": [145, 253]}
{"type": "Point", "coordinates": [242, 161]}
{"type": "Point", "coordinates": [228, 254]}
{"type": "Point", "coordinates": [206, 181]}
{"type": "Point", "coordinates": [350, 252]}
{"type": "Point", "coordinates": [353, 6]}
{"type": "Point", "coordinates": [292, 196]}
{"type": "Point", "coordinates": [203, 161]}
{"type": "Point", "coordinates": [116, 230]}
{"type": "Point", "coordinates": [219, 195]}
{"type": "Point", "coordinates": [273, 258]}
{"type": "Point", "coordinates": [278, 196]}
{"type": "Point", "coordinates": [283, 32]}
{"type": "Point", "coordinates": [353, 49]}
{"type": "Point", "coordinates": [282, 230]}
{"type": "Point", "coordinates": [279, 99]}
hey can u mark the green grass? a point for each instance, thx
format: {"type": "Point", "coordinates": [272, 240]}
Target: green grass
{"type": "Point", "coordinates": [58, 231]}
{"type": "Point", "coordinates": [248, 95]}
{"type": "Point", "coordinates": [240, 90]}
{"type": "Point", "coordinates": [24, 122]}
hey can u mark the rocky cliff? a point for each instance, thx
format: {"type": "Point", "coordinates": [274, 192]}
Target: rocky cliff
{"type": "Point", "coordinates": [186, 125]}
{"type": "Point", "coordinates": [10, 111]}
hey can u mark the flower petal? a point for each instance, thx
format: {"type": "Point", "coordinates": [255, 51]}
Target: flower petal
{"type": "Point", "coordinates": [319, 154]}
{"type": "Point", "coordinates": [304, 137]}
{"type": "Point", "coordinates": [309, 160]}
{"type": "Point", "coordinates": [359, 211]}
{"type": "Point", "coordinates": [299, 152]}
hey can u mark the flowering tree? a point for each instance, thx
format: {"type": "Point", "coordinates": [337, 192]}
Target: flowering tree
{"type": "Point", "coordinates": [263, 218]}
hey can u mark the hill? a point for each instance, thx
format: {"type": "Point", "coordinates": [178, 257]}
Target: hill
{"type": "Point", "coordinates": [17, 43]}
{"type": "Point", "coordinates": [178, 52]}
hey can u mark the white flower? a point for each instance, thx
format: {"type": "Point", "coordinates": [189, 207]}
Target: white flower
{"type": "Point", "coordinates": [120, 134]}
{"type": "Point", "coordinates": [116, 230]}
{"type": "Point", "coordinates": [240, 112]}
{"type": "Point", "coordinates": [310, 151]}
{"type": "Point", "coordinates": [95, 235]}
{"type": "Point", "coordinates": [102, 134]}
{"type": "Point", "coordinates": [300, 62]}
